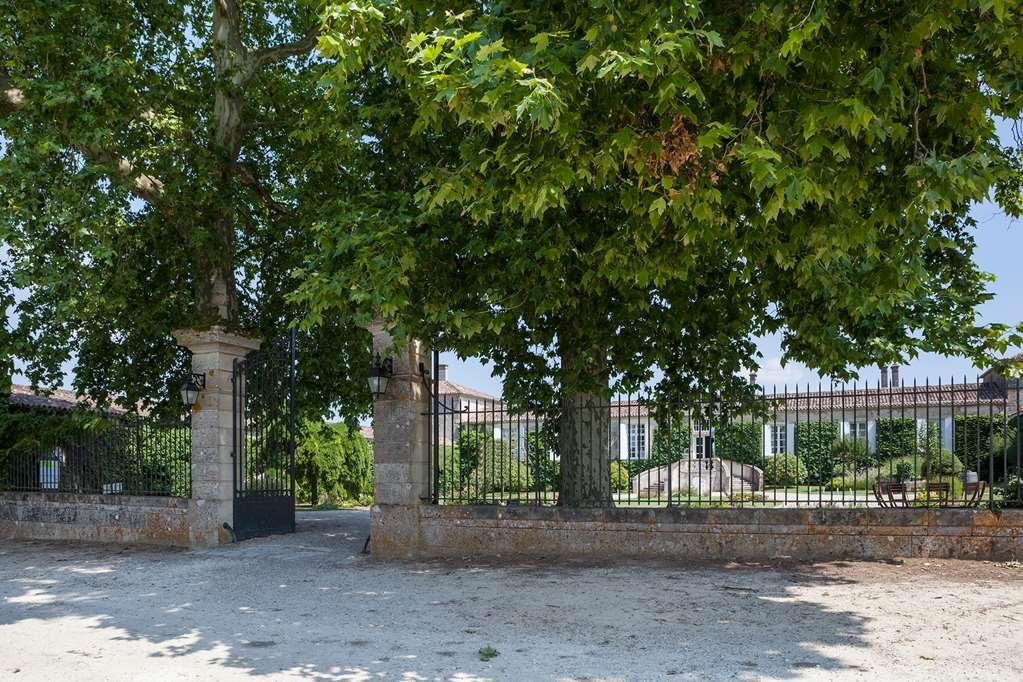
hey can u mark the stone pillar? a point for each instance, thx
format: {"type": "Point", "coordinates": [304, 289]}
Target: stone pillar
{"type": "Point", "coordinates": [401, 429]}
{"type": "Point", "coordinates": [213, 353]}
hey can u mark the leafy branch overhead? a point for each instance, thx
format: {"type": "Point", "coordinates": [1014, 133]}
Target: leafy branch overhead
{"type": "Point", "coordinates": [657, 183]}
{"type": "Point", "coordinates": [158, 164]}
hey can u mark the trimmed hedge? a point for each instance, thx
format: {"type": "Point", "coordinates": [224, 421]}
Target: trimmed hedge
{"type": "Point", "coordinates": [896, 437]}
{"type": "Point", "coordinates": [975, 436]}
{"type": "Point", "coordinates": [814, 446]}
{"type": "Point", "coordinates": [740, 442]}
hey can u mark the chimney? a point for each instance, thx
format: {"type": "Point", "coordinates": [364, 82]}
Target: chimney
{"type": "Point", "coordinates": [442, 372]}
{"type": "Point", "coordinates": [895, 376]}
{"type": "Point", "coordinates": [753, 378]}
{"type": "Point", "coordinates": [884, 377]}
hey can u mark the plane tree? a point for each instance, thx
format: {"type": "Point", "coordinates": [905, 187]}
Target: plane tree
{"type": "Point", "coordinates": [616, 187]}
{"type": "Point", "coordinates": [159, 163]}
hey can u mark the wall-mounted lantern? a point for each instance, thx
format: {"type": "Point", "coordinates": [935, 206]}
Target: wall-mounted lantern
{"type": "Point", "coordinates": [191, 388]}
{"type": "Point", "coordinates": [379, 372]}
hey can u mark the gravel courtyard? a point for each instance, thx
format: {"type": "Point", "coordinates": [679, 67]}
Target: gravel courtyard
{"type": "Point", "coordinates": [311, 606]}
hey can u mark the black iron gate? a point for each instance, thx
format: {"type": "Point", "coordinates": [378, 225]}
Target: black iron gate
{"type": "Point", "coordinates": [263, 389]}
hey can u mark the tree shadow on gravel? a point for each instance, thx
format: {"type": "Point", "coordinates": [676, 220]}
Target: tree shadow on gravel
{"type": "Point", "coordinates": [312, 606]}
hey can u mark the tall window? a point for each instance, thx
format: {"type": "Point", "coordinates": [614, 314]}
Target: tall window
{"type": "Point", "coordinates": [637, 441]}
{"type": "Point", "coordinates": [858, 431]}
{"type": "Point", "coordinates": [779, 439]}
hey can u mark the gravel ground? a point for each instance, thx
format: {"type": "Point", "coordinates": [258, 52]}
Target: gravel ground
{"type": "Point", "coordinates": [310, 606]}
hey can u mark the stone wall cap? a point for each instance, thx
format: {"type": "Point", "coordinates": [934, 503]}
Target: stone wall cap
{"type": "Point", "coordinates": [203, 340]}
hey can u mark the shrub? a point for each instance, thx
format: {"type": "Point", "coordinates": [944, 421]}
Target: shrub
{"type": "Point", "coordinates": [449, 463]}
{"type": "Point", "coordinates": [501, 472]}
{"type": "Point", "coordinates": [939, 463]}
{"type": "Point", "coordinates": [896, 437]}
{"type": "Point", "coordinates": [1010, 492]}
{"type": "Point", "coordinates": [784, 470]}
{"type": "Point", "coordinates": [850, 454]}
{"type": "Point", "coordinates": [619, 477]}
{"type": "Point", "coordinates": [544, 468]}
{"type": "Point", "coordinates": [739, 442]}
{"type": "Point", "coordinates": [334, 465]}
{"type": "Point", "coordinates": [903, 471]}
{"type": "Point", "coordinates": [814, 441]}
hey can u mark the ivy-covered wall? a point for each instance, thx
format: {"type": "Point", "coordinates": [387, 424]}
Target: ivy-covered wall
{"type": "Point", "coordinates": [739, 442]}
{"type": "Point", "coordinates": [815, 448]}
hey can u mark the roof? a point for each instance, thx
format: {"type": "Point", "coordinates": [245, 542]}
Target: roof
{"type": "Point", "coordinates": [55, 399]}
{"type": "Point", "coordinates": [908, 397]}
{"type": "Point", "coordinates": [446, 387]}
{"type": "Point", "coordinates": [979, 396]}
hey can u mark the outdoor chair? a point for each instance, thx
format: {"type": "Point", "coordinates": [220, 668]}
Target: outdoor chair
{"type": "Point", "coordinates": [941, 490]}
{"type": "Point", "coordinates": [880, 491]}
{"type": "Point", "coordinates": [896, 493]}
{"type": "Point", "coordinates": [973, 493]}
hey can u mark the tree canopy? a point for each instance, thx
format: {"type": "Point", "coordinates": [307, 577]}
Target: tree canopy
{"type": "Point", "coordinates": [611, 187]}
{"type": "Point", "coordinates": [159, 163]}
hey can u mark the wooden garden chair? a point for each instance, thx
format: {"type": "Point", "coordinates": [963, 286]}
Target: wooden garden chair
{"type": "Point", "coordinates": [973, 493]}
{"type": "Point", "coordinates": [896, 493]}
{"type": "Point", "coordinates": [880, 491]}
{"type": "Point", "coordinates": [943, 490]}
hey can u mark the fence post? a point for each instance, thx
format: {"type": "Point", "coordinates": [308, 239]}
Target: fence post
{"type": "Point", "coordinates": [214, 351]}
{"type": "Point", "coordinates": [401, 426]}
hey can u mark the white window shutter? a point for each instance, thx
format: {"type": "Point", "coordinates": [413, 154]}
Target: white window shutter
{"type": "Point", "coordinates": [623, 440]}
{"type": "Point", "coordinates": [947, 434]}
{"type": "Point", "coordinates": [872, 435]}
{"type": "Point", "coordinates": [790, 438]}
{"type": "Point", "coordinates": [767, 440]}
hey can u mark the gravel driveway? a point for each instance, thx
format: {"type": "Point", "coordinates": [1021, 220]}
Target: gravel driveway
{"type": "Point", "coordinates": [310, 606]}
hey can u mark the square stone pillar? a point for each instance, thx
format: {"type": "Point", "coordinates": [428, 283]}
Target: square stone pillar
{"type": "Point", "coordinates": [213, 353]}
{"type": "Point", "coordinates": [401, 427]}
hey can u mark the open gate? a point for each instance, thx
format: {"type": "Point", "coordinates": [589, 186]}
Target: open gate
{"type": "Point", "coordinates": [263, 450]}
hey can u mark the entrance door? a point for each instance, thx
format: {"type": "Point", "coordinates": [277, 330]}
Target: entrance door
{"type": "Point", "coordinates": [263, 388]}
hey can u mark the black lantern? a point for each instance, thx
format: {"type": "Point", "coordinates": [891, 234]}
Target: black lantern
{"type": "Point", "coordinates": [379, 372]}
{"type": "Point", "coordinates": [191, 388]}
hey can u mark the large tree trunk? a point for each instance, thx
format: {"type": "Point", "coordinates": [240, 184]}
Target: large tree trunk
{"type": "Point", "coordinates": [233, 65]}
{"type": "Point", "coordinates": [584, 443]}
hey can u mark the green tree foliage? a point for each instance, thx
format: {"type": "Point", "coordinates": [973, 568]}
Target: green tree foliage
{"type": "Point", "coordinates": [610, 188]}
{"type": "Point", "coordinates": [815, 447]}
{"type": "Point", "coordinates": [850, 455]}
{"type": "Point", "coordinates": [333, 464]}
{"type": "Point", "coordinates": [159, 164]}
{"type": "Point", "coordinates": [740, 442]}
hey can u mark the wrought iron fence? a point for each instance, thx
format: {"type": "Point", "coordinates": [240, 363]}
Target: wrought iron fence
{"type": "Point", "coordinates": [124, 455]}
{"type": "Point", "coordinates": [944, 444]}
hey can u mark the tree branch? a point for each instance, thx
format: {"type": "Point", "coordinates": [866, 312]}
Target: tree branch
{"type": "Point", "coordinates": [248, 178]}
{"type": "Point", "coordinates": [284, 50]}
{"type": "Point", "coordinates": [145, 186]}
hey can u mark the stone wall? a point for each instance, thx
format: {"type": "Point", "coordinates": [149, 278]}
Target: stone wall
{"type": "Point", "coordinates": [96, 518]}
{"type": "Point", "coordinates": [764, 534]}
